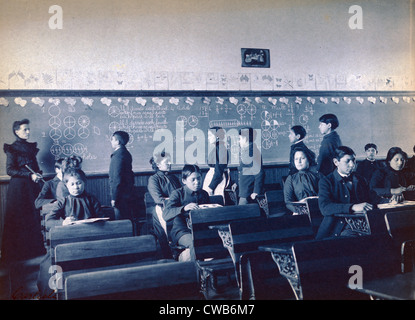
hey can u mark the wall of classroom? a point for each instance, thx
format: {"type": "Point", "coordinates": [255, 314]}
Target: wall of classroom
{"type": "Point", "coordinates": [195, 45]}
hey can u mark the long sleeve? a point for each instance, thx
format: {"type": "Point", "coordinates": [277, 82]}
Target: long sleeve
{"type": "Point", "coordinates": [289, 194]}
{"type": "Point", "coordinates": [45, 196]}
{"type": "Point", "coordinates": [220, 156]}
{"type": "Point", "coordinates": [120, 174]}
{"type": "Point", "coordinates": [173, 206]}
{"type": "Point", "coordinates": [327, 202]}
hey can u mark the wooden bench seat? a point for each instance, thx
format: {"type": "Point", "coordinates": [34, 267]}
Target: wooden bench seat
{"type": "Point", "coordinates": [323, 266]}
{"type": "Point", "coordinates": [401, 227]}
{"type": "Point", "coordinates": [212, 259]}
{"type": "Point", "coordinates": [166, 281]}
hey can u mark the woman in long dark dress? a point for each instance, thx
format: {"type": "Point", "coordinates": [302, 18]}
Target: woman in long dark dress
{"type": "Point", "coordinates": [22, 237]}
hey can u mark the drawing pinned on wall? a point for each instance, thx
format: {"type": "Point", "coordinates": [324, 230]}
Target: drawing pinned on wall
{"type": "Point", "coordinates": [395, 99]}
{"type": "Point", "coordinates": [174, 101]}
{"type": "Point", "coordinates": [233, 100]}
{"type": "Point", "coordinates": [21, 102]}
{"type": "Point", "coordinates": [206, 100]}
{"type": "Point", "coordinates": [347, 100]}
{"type": "Point", "coordinates": [190, 101]}
{"type": "Point", "coordinates": [383, 100]}
{"type": "Point", "coordinates": [273, 101]}
{"type": "Point", "coordinates": [4, 102]}
{"type": "Point", "coordinates": [323, 100]}
{"type": "Point", "coordinates": [157, 101]}
{"type": "Point", "coordinates": [71, 104]}
{"type": "Point", "coordinates": [244, 81]}
{"type": "Point", "coordinates": [406, 99]}
{"type": "Point", "coordinates": [106, 101]}
{"type": "Point", "coordinates": [360, 100]}
{"type": "Point", "coordinates": [284, 100]}
{"type": "Point", "coordinates": [219, 100]}
{"type": "Point", "coordinates": [371, 100]}
{"type": "Point", "coordinates": [298, 100]}
{"type": "Point", "coordinates": [54, 101]}
{"type": "Point", "coordinates": [311, 100]}
{"type": "Point", "coordinates": [141, 101]}
{"type": "Point", "coordinates": [335, 100]}
{"type": "Point", "coordinates": [38, 101]}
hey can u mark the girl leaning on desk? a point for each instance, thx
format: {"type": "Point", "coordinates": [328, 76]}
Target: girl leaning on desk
{"type": "Point", "coordinates": [394, 181]}
{"type": "Point", "coordinates": [22, 237]}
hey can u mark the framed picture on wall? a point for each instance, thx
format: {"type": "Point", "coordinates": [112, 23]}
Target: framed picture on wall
{"type": "Point", "coordinates": [255, 58]}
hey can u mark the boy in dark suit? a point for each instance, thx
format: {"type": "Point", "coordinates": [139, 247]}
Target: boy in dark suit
{"type": "Point", "coordinates": [367, 167]}
{"type": "Point", "coordinates": [343, 192]}
{"type": "Point", "coordinates": [121, 176]}
{"type": "Point", "coordinates": [179, 205]}
{"type": "Point", "coordinates": [250, 172]}
{"type": "Point", "coordinates": [331, 140]}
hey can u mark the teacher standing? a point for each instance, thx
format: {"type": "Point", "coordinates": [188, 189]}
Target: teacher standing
{"type": "Point", "coordinates": [22, 237]}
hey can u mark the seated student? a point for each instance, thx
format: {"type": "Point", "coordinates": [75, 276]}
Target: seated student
{"type": "Point", "coordinates": [47, 196]}
{"type": "Point", "coordinates": [303, 183]}
{"type": "Point", "coordinates": [393, 181]}
{"type": "Point", "coordinates": [180, 203]}
{"type": "Point", "coordinates": [78, 205]}
{"type": "Point", "coordinates": [296, 137]}
{"type": "Point", "coordinates": [250, 171]}
{"type": "Point", "coordinates": [367, 167]}
{"type": "Point", "coordinates": [331, 140]}
{"type": "Point", "coordinates": [343, 192]}
{"type": "Point", "coordinates": [160, 186]}
{"type": "Point", "coordinates": [67, 163]}
{"type": "Point", "coordinates": [217, 179]}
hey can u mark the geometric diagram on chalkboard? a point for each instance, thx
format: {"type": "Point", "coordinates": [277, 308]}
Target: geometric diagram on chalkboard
{"type": "Point", "coordinates": [265, 125]}
{"type": "Point", "coordinates": [265, 115]}
{"type": "Point", "coordinates": [193, 121]}
{"type": "Point", "coordinates": [54, 122]}
{"type": "Point", "coordinates": [67, 149]}
{"type": "Point", "coordinates": [114, 126]}
{"type": "Point", "coordinates": [266, 144]}
{"type": "Point", "coordinates": [69, 122]}
{"type": "Point", "coordinates": [97, 131]}
{"type": "Point", "coordinates": [251, 109]}
{"type": "Point", "coordinates": [55, 134]}
{"type": "Point", "coordinates": [83, 133]}
{"type": "Point", "coordinates": [266, 135]}
{"type": "Point", "coordinates": [83, 121]}
{"type": "Point", "coordinates": [79, 148]}
{"type": "Point", "coordinates": [54, 111]}
{"type": "Point", "coordinates": [274, 124]}
{"type": "Point", "coordinates": [274, 134]}
{"type": "Point", "coordinates": [241, 109]}
{"type": "Point", "coordinates": [181, 121]}
{"type": "Point", "coordinates": [69, 133]}
{"type": "Point", "coordinates": [114, 111]}
{"type": "Point", "coordinates": [303, 119]}
{"type": "Point", "coordinates": [56, 150]}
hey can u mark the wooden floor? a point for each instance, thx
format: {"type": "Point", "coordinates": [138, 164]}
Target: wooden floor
{"type": "Point", "coordinates": [19, 283]}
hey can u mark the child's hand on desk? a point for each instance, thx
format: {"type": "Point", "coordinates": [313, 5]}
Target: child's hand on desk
{"type": "Point", "coordinates": [362, 207]}
{"type": "Point", "coordinates": [253, 196]}
{"type": "Point", "coordinates": [191, 206]}
{"type": "Point", "coordinates": [68, 221]}
{"type": "Point", "coordinates": [411, 188]}
{"type": "Point", "coordinates": [398, 191]}
{"type": "Point", "coordinates": [397, 198]}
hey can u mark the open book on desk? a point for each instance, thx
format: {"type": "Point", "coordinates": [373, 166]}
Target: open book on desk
{"type": "Point", "coordinates": [91, 220]}
{"type": "Point", "coordinates": [209, 205]}
{"type": "Point", "coordinates": [392, 205]}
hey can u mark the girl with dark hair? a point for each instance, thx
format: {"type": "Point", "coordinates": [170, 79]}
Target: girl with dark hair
{"type": "Point", "coordinates": [392, 181]}
{"type": "Point", "coordinates": [22, 238]}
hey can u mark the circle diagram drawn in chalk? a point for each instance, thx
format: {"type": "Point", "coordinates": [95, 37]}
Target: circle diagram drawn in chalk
{"type": "Point", "coordinates": [54, 111]}
{"type": "Point", "coordinates": [69, 122]}
{"type": "Point", "coordinates": [83, 133]}
{"type": "Point", "coordinates": [79, 148]}
{"type": "Point", "coordinates": [55, 134]}
{"type": "Point", "coordinates": [56, 150]}
{"type": "Point", "coordinates": [54, 122]}
{"type": "Point", "coordinates": [67, 149]}
{"type": "Point", "coordinates": [83, 121]}
{"type": "Point", "coordinates": [69, 133]}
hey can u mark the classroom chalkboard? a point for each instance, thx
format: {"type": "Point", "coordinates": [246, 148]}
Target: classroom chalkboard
{"type": "Point", "coordinates": [81, 123]}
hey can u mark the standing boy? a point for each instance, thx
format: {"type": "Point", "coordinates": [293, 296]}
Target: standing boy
{"type": "Point", "coordinates": [343, 192]}
{"type": "Point", "coordinates": [121, 176]}
{"type": "Point", "coordinates": [250, 172]}
{"type": "Point", "coordinates": [296, 137]}
{"type": "Point", "coordinates": [331, 141]}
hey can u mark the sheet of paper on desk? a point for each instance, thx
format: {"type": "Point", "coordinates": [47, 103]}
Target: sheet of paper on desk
{"type": "Point", "coordinates": [89, 220]}
{"type": "Point", "coordinates": [396, 205]}
{"type": "Point", "coordinates": [209, 205]}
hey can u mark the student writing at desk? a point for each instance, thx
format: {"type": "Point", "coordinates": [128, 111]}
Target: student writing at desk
{"type": "Point", "coordinates": [180, 203]}
{"type": "Point", "coordinates": [393, 181]}
{"type": "Point", "coordinates": [343, 192]}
